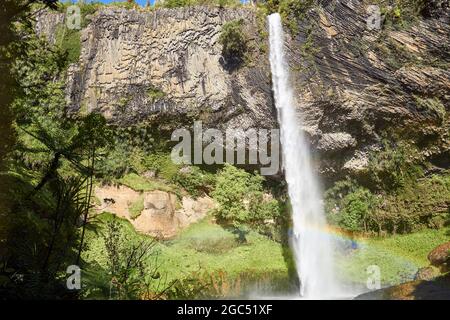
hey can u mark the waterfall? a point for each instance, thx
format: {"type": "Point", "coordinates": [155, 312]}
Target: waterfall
{"type": "Point", "coordinates": [310, 241]}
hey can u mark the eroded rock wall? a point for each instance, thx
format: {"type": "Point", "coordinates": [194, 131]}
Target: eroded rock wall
{"type": "Point", "coordinates": [356, 85]}
{"type": "Point", "coordinates": [163, 215]}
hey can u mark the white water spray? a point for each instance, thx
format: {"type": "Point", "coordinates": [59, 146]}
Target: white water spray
{"type": "Point", "coordinates": [311, 242]}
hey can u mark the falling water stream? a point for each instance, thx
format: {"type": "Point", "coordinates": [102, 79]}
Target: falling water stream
{"type": "Point", "coordinates": [310, 240]}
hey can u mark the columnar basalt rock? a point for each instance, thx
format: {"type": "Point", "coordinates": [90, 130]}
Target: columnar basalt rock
{"type": "Point", "coordinates": [47, 23]}
{"type": "Point", "coordinates": [138, 65]}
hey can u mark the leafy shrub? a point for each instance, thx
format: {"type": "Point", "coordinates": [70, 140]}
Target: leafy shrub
{"type": "Point", "coordinates": [195, 181]}
{"type": "Point", "coordinates": [128, 152]}
{"type": "Point", "coordinates": [162, 164]}
{"type": "Point", "coordinates": [136, 208]}
{"type": "Point", "coordinates": [233, 41]}
{"type": "Point", "coordinates": [350, 206]}
{"type": "Point", "coordinates": [417, 205]}
{"type": "Point", "coordinates": [394, 167]}
{"type": "Point", "coordinates": [129, 262]}
{"type": "Point", "coordinates": [121, 160]}
{"type": "Point", "coordinates": [357, 208]}
{"type": "Point", "coordinates": [241, 200]}
{"type": "Point", "coordinates": [424, 204]}
{"type": "Point", "coordinates": [402, 12]}
{"type": "Point", "coordinates": [294, 8]}
{"type": "Point", "coordinates": [291, 11]}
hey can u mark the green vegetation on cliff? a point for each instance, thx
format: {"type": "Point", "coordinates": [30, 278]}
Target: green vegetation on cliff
{"type": "Point", "coordinates": [69, 41]}
{"type": "Point", "coordinates": [233, 41]}
{"type": "Point", "coordinates": [421, 204]}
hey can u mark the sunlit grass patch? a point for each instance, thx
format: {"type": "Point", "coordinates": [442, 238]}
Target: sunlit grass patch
{"type": "Point", "coordinates": [398, 257]}
{"type": "Point", "coordinates": [139, 183]}
{"type": "Point", "coordinates": [203, 248]}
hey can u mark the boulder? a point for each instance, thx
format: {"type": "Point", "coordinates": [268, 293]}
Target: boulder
{"type": "Point", "coordinates": [163, 215]}
{"type": "Point", "coordinates": [440, 257]}
{"type": "Point", "coordinates": [426, 273]}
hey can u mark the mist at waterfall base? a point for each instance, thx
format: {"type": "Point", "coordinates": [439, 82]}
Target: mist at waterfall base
{"type": "Point", "coordinates": [311, 243]}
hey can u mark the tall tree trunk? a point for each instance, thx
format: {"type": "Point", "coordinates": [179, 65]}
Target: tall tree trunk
{"type": "Point", "coordinates": [87, 204]}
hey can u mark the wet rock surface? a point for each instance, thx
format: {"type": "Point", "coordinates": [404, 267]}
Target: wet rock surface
{"type": "Point", "coordinates": [438, 289]}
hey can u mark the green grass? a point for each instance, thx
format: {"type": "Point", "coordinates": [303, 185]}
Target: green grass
{"type": "Point", "coordinates": [142, 184]}
{"type": "Point", "coordinates": [207, 247]}
{"type": "Point", "coordinates": [186, 253]}
{"type": "Point", "coordinates": [398, 256]}
{"type": "Point", "coordinates": [69, 41]}
{"type": "Point", "coordinates": [203, 246]}
{"type": "Point", "coordinates": [137, 207]}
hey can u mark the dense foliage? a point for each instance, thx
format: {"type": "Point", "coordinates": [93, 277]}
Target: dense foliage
{"type": "Point", "coordinates": [233, 41]}
{"type": "Point", "coordinates": [128, 264]}
{"type": "Point", "coordinates": [397, 198]}
{"type": "Point", "coordinates": [350, 205]}
{"type": "Point", "coordinates": [47, 181]}
{"type": "Point", "coordinates": [291, 11]}
{"type": "Point", "coordinates": [241, 199]}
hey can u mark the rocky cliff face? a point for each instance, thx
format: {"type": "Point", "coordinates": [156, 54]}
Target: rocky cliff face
{"type": "Point", "coordinates": [356, 85]}
{"type": "Point", "coordinates": [353, 85]}
{"type": "Point", "coordinates": [144, 65]}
